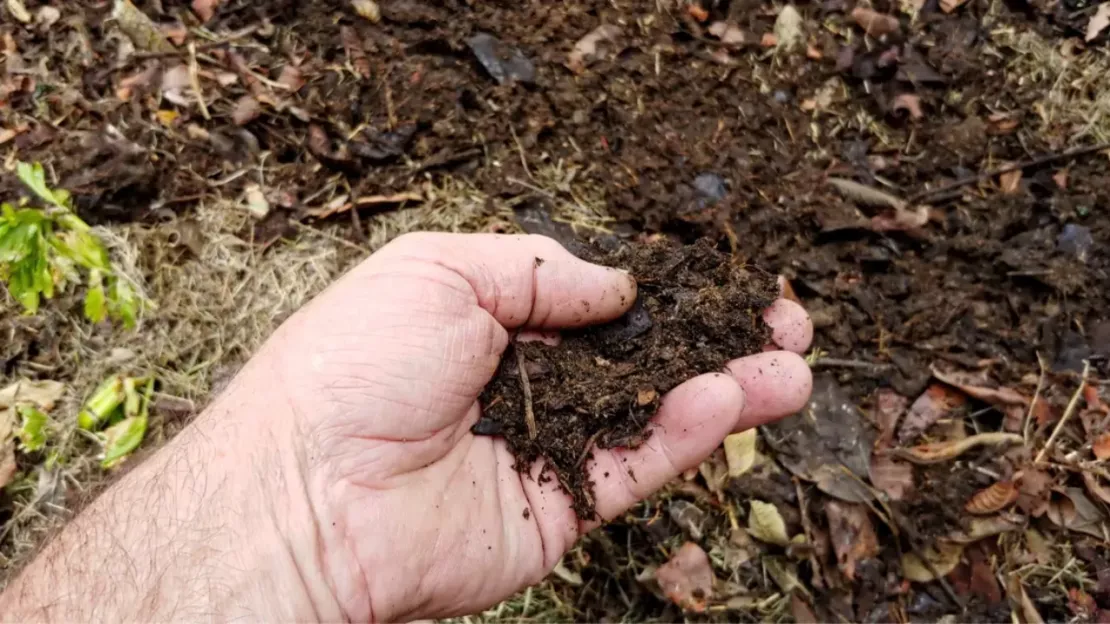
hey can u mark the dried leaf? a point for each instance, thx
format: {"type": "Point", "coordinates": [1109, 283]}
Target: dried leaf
{"type": "Point", "coordinates": [1040, 547]}
{"type": "Point", "coordinates": [256, 202]}
{"type": "Point", "coordinates": [687, 579]}
{"type": "Point", "coordinates": [972, 386]}
{"type": "Point", "coordinates": [728, 33]}
{"type": "Point", "coordinates": [1082, 605]}
{"type": "Point", "coordinates": [42, 394]}
{"type": "Point", "coordinates": [768, 40]}
{"type": "Point", "coordinates": [903, 220]}
{"type": "Point", "coordinates": [783, 572]}
{"type": "Point", "coordinates": [1099, 21]}
{"type": "Point", "coordinates": [874, 23]}
{"type": "Point", "coordinates": [17, 10]}
{"type": "Point", "coordinates": [355, 52]}
{"type": "Point", "coordinates": [866, 194]}
{"type": "Point", "coordinates": [586, 49]}
{"type": "Point", "coordinates": [788, 29]}
{"type": "Point", "coordinates": [765, 523]}
{"type": "Point", "coordinates": [697, 12]}
{"type": "Point", "coordinates": [1010, 182]}
{"type": "Point", "coordinates": [140, 29]}
{"type": "Point", "coordinates": [8, 466]}
{"type": "Point", "coordinates": [951, 5]}
{"type": "Point", "coordinates": [1101, 447]}
{"type": "Point", "coordinates": [291, 78]}
{"type": "Point", "coordinates": [1029, 613]}
{"type": "Point", "coordinates": [801, 611]}
{"type": "Point", "coordinates": [943, 556]}
{"type": "Point", "coordinates": [1033, 491]}
{"type": "Point", "coordinates": [205, 9]}
{"type": "Point", "coordinates": [368, 10]}
{"type": "Point", "coordinates": [247, 109]}
{"type": "Point", "coordinates": [852, 534]}
{"type": "Point", "coordinates": [1095, 487]}
{"type": "Point", "coordinates": [944, 451]}
{"type": "Point", "coordinates": [1076, 512]}
{"type": "Point", "coordinates": [889, 408]}
{"type": "Point", "coordinates": [740, 452]}
{"type": "Point", "coordinates": [688, 516]}
{"type": "Point", "coordinates": [893, 477]}
{"type": "Point", "coordinates": [992, 499]}
{"type": "Point", "coordinates": [908, 103]}
{"type": "Point", "coordinates": [980, 528]}
{"type": "Point", "coordinates": [937, 402]}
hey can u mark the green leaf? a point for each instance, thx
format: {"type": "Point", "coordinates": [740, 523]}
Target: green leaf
{"type": "Point", "coordinates": [34, 178]}
{"type": "Point", "coordinates": [124, 303]}
{"type": "Point", "coordinates": [32, 435]}
{"type": "Point", "coordinates": [96, 308]}
{"type": "Point", "coordinates": [121, 439]}
{"type": "Point", "coordinates": [100, 406]}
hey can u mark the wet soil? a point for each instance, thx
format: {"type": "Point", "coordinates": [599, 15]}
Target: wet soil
{"type": "Point", "coordinates": [599, 388]}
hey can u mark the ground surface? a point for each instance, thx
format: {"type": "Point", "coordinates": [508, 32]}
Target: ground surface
{"type": "Point", "coordinates": [942, 314]}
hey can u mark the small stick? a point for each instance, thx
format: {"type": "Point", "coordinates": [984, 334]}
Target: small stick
{"type": "Point", "coordinates": [838, 363]}
{"type": "Point", "coordinates": [1072, 405]}
{"type": "Point", "coordinates": [807, 528]}
{"type": "Point", "coordinates": [529, 415]}
{"type": "Point", "coordinates": [194, 81]}
{"type": "Point", "coordinates": [1025, 164]}
{"type": "Point", "coordinates": [1032, 405]}
{"type": "Point", "coordinates": [586, 449]}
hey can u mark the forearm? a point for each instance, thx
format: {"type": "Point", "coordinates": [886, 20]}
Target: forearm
{"type": "Point", "coordinates": [201, 530]}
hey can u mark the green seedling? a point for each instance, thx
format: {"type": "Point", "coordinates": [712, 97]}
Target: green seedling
{"type": "Point", "coordinates": [46, 246]}
{"type": "Point", "coordinates": [121, 404]}
{"type": "Point", "coordinates": [32, 435]}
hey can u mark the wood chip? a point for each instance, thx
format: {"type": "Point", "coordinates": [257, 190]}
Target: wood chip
{"type": "Point", "coordinates": [874, 23]}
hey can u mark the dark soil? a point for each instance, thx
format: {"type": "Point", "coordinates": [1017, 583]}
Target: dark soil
{"type": "Point", "coordinates": [601, 386]}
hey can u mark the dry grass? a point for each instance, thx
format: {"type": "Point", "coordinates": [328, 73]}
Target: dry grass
{"type": "Point", "coordinates": [1072, 101]}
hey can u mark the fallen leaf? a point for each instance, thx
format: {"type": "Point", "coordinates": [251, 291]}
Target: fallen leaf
{"type": "Point", "coordinates": [937, 402]}
{"type": "Point", "coordinates": [352, 44]}
{"type": "Point", "coordinates": [728, 33]}
{"type": "Point", "coordinates": [47, 16]}
{"type": "Point", "coordinates": [943, 556]}
{"type": "Point", "coordinates": [1010, 182]}
{"type": "Point", "coordinates": [139, 28]}
{"type": "Point", "coordinates": [866, 195]}
{"type": "Point", "coordinates": [688, 516]}
{"type": "Point", "coordinates": [687, 579]}
{"type": "Point", "coordinates": [902, 220]}
{"type": "Point", "coordinates": [256, 202]}
{"type": "Point", "coordinates": [8, 466]}
{"type": "Point", "coordinates": [697, 12]}
{"type": "Point", "coordinates": [874, 23]}
{"type": "Point", "coordinates": [977, 578]}
{"type": "Point", "coordinates": [177, 33]}
{"type": "Point", "coordinates": [1076, 512]}
{"type": "Point", "coordinates": [980, 528]}
{"type": "Point", "coordinates": [1033, 491]}
{"type": "Point", "coordinates": [42, 394]}
{"type": "Point", "coordinates": [801, 611]}
{"type": "Point", "coordinates": [1029, 613]}
{"type": "Point", "coordinates": [291, 78]}
{"type": "Point", "coordinates": [951, 5]}
{"type": "Point", "coordinates": [892, 477]}
{"type": "Point", "coordinates": [1099, 21]}
{"type": "Point", "coordinates": [783, 572]}
{"type": "Point", "coordinates": [247, 109]}
{"type": "Point", "coordinates": [992, 499]}
{"type": "Point", "coordinates": [813, 53]}
{"type": "Point", "coordinates": [1101, 447]}
{"type": "Point", "coordinates": [586, 49]}
{"type": "Point", "coordinates": [765, 523]}
{"type": "Point", "coordinates": [19, 11]}
{"type": "Point", "coordinates": [788, 29]}
{"type": "Point", "coordinates": [205, 9]}
{"type": "Point", "coordinates": [1039, 546]}
{"type": "Point", "coordinates": [368, 10]}
{"type": "Point", "coordinates": [1094, 485]}
{"type": "Point", "coordinates": [852, 534]}
{"type": "Point", "coordinates": [973, 386]}
{"type": "Point", "coordinates": [944, 451]}
{"type": "Point", "coordinates": [909, 103]}
{"type": "Point", "coordinates": [740, 452]}
{"type": "Point", "coordinates": [1082, 605]}
{"type": "Point", "coordinates": [889, 408]}
{"type": "Point", "coordinates": [167, 117]}
{"type": "Point", "coordinates": [768, 40]}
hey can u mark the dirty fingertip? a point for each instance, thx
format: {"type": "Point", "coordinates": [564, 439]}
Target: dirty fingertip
{"type": "Point", "coordinates": [791, 328]}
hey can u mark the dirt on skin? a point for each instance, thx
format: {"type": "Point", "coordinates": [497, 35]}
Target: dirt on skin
{"type": "Point", "coordinates": [601, 386]}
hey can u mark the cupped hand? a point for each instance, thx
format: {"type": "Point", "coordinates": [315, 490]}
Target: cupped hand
{"type": "Point", "coordinates": [415, 516]}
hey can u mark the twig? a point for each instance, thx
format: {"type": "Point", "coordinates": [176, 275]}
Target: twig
{"type": "Point", "coordinates": [194, 81]}
{"type": "Point", "coordinates": [1071, 409]}
{"type": "Point", "coordinates": [529, 415]}
{"type": "Point", "coordinates": [203, 47]}
{"type": "Point", "coordinates": [838, 363]}
{"type": "Point", "coordinates": [1025, 164]}
{"type": "Point", "coordinates": [807, 528]}
{"type": "Point", "coordinates": [586, 449]}
{"type": "Point", "coordinates": [1033, 404]}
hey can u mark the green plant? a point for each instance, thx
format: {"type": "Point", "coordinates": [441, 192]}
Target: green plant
{"type": "Point", "coordinates": [121, 405]}
{"type": "Point", "coordinates": [44, 248]}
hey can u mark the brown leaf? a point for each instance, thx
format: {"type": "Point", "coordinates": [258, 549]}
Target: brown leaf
{"type": "Point", "coordinates": [889, 407]}
{"type": "Point", "coordinates": [697, 12]}
{"type": "Point", "coordinates": [893, 477]}
{"type": "Point", "coordinates": [1076, 512]}
{"type": "Point", "coordinates": [205, 9]}
{"type": "Point", "coordinates": [994, 498]}
{"type": "Point", "coordinates": [938, 452]}
{"type": "Point", "coordinates": [867, 195]}
{"type": "Point", "coordinates": [801, 611]}
{"type": "Point", "coordinates": [1033, 491]}
{"type": "Point", "coordinates": [943, 557]}
{"type": "Point", "coordinates": [937, 402]}
{"type": "Point", "coordinates": [768, 40]}
{"type": "Point", "coordinates": [1061, 179]}
{"type": "Point", "coordinates": [1082, 605]}
{"type": "Point", "coordinates": [355, 52]}
{"type": "Point", "coordinates": [728, 33]}
{"type": "Point", "coordinates": [1101, 447]}
{"type": "Point", "coordinates": [43, 394]}
{"type": "Point", "coordinates": [902, 220]}
{"type": "Point", "coordinates": [291, 78]}
{"type": "Point", "coordinates": [247, 109]}
{"type": "Point", "coordinates": [979, 528]}
{"type": "Point", "coordinates": [852, 534]}
{"type": "Point", "coordinates": [972, 385]}
{"type": "Point", "coordinates": [1029, 613]}
{"type": "Point", "coordinates": [8, 466]}
{"type": "Point", "coordinates": [687, 579]}
{"type": "Point", "coordinates": [874, 23]}
{"type": "Point", "coordinates": [951, 5]}
{"type": "Point", "coordinates": [909, 103]}
{"type": "Point", "coordinates": [1099, 21]}
{"type": "Point", "coordinates": [980, 580]}
{"type": "Point", "coordinates": [586, 49]}
{"type": "Point", "coordinates": [1095, 487]}
{"type": "Point", "coordinates": [1010, 182]}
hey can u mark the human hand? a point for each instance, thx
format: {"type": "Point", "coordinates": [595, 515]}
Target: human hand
{"type": "Point", "coordinates": [374, 388]}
